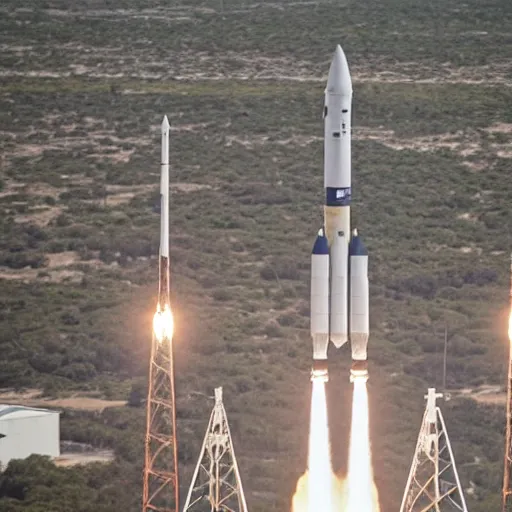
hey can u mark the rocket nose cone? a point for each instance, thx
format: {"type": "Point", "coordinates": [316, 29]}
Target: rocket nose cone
{"type": "Point", "coordinates": [338, 53]}
{"type": "Point", "coordinates": [165, 124]}
{"type": "Point", "coordinates": [339, 81]}
{"type": "Point", "coordinates": [321, 245]}
{"type": "Point", "coordinates": [356, 246]}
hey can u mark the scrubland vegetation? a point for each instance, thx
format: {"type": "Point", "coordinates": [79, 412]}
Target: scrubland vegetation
{"type": "Point", "coordinates": [83, 88]}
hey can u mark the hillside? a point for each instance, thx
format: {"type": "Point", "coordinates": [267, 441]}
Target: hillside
{"type": "Point", "coordinates": [83, 89]}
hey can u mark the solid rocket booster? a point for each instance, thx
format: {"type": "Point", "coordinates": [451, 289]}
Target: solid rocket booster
{"type": "Point", "coordinates": [164, 288]}
{"type": "Point", "coordinates": [359, 306]}
{"type": "Point", "coordinates": [320, 305]}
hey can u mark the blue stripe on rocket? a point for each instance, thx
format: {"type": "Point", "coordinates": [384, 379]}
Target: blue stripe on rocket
{"type": "Point", "coordinates": [338, 196]}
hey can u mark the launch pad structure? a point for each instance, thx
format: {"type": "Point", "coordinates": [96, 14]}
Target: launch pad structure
{"type": "Point", "coordinates": [433, 484]}
{"type": "Point", "coordinates": [160, 490]}
{"type": "Point", "coordinates": [216, 484]}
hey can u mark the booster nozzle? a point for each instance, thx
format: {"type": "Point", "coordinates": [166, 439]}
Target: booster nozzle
{"type": "Point", "coordinates": [319, 371]}
{"type": "Point", "coordinates": [359, 371]}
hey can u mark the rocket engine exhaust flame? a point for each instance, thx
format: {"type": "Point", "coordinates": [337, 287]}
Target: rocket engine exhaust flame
{"type": "Point", "coordinates": [319, 464]}
{"type": "Point", "coordinates": [318, 488]}
{"type": "Point", "coordinates": [163, 323]}
{"type": "Point", "coordinates": [362, 494]}
{"type": "Point", "coordinates": [319, 375]}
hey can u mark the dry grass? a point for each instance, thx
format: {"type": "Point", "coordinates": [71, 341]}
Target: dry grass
{"type": "Point", "coordinates": [33, 398]}
{"type": "Point", "coordinates": [76, 459]}
{"type": "Point", "coordinates": [55, 271]}
{"type": "Point", "coordinates": [491, 395]}
{"type": "Point", "coordinates": [40, 216]}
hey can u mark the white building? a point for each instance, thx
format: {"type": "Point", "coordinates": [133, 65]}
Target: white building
{"type": "Point", "coordinates": [26, 430]}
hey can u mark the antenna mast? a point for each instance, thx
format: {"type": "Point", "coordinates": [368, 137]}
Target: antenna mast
{"type": "Point", "coordinates": [445, 355]}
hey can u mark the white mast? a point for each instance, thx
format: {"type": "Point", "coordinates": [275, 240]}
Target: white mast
{"type": "Point", "coordinates": [216, 478]}
{"type": "Point", "coordinates": [433, 484]}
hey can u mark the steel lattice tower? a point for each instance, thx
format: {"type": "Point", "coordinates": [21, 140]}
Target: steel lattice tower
{"type": "Point", "coordinates": [507, 470]}
{"type": "Point", "coordinates": [161, 490]}
{"type": "Point", "coordinates": [433, 484]}
{"type": "Point", "coordinates": [216, 484]}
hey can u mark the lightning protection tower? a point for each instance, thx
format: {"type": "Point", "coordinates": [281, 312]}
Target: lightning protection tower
{"type": "Point", "coordinates": [433, 484]}
{"type": "Point", "coordinates": [507, 470]}
{"type": "Point", "coordinates": [216, 485]}
{"type": "Point", "coordinates": [160, 490]}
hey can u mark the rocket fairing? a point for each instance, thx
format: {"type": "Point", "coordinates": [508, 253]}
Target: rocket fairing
{"type": "Point", "coordinates": [163, 256]}
{"type": "Point", "coordinates": [346, 280]}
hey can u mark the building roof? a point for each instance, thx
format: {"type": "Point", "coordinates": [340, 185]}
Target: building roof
{"type": "Point", "coordinates": [19, 411]}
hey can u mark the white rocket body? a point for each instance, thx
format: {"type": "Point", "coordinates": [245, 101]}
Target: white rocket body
{"type": "Point", "coordinates": [347, 279]}
{"type": "Point", "coordinates": [320, 297]}
{"type": "Point", "coordinates": [339, 290]}
{"type": "Point", "coordinates": [164, 287]}
{"type": "Point", "coordinates": [164, 191]}
{"type": "Point", "coordinates": [359, 299]}
{"type": "Point", "coordinates": [319, 315]}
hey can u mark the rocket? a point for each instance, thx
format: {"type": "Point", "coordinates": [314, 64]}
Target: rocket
{"type": "Point", "coordinates": [163, 256]}
{"type": "Point", "coordinates": [339, 260]}
{"type": "Point", "coordinates": [163, 322]}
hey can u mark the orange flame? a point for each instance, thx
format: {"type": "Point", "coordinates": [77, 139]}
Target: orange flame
{"type": "Point", "coordinates": [300, 501]}
{"type": "Point", "coordinates": [318, 489]}
{"type": "Point", "coordinates": [163, 323]}
{"type": "Point", "coordinates": [357, 492]}
{"type": "Point", "coordinates": [362, 494]}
